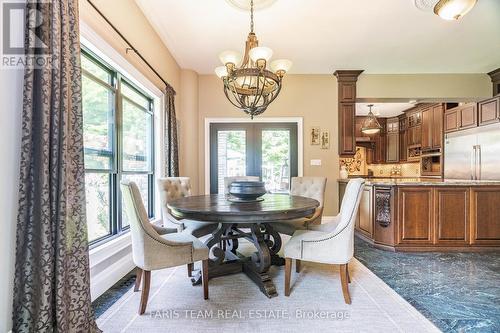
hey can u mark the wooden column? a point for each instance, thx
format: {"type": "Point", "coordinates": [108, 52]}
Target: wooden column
{"type": "Point", "coordinates": [495, 80]}
{"type": "Point", "coordinates": [347, 110]}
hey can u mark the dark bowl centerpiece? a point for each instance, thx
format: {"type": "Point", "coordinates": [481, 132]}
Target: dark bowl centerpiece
{"type": "Point", "coordinates": [247, 190]}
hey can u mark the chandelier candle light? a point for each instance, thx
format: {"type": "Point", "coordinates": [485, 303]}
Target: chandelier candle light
{"type": "Point", "coordinates": [249, 84]}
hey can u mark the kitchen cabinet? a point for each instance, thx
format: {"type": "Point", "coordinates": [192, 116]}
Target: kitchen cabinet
{"type": "Point", "coordinates": [392, 138]}
{"type": "Point", "coordinates": [415, 215]}
{"type": "Point", "coordinates": [460, 117]}
{"type": "Point", "coordinates": [452, 215]}
{"type": "Point", "coordinates": [432, 127]}
{"type": "Point", "coordinates": [365, 212]}
{"type": "Point", "coordinates": [485, 219]}
{"type": "Point", "coordinates": [347, 110]}
{"type": "Point", "coordinates": [489, 111]}
{"type": "Point", "coordinates": [403, 139]}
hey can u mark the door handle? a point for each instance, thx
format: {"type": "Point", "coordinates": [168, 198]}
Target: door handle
{"type": "Point", "coordinates": [473, 163]}
{"type": "Point", "coordinates": [478, 162]}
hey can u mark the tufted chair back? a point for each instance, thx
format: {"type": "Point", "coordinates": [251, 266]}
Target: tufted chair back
{"type": "Point", "coordinates": [229, 180]}
{"type": "Point", "coordinates": [172, 188]}
{"type": "Point", "coordinates": [310, 187]}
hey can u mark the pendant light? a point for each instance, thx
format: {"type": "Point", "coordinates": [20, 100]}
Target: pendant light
{"type": "Point", "coordinates": [370, 124]}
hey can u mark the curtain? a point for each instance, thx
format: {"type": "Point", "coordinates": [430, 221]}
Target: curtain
{"type": "Point", "coordinates": [51, 287]}
{"type": "Point", "coordinates": [170, 137]}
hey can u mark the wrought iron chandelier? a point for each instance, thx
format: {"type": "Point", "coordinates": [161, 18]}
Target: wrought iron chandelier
{"type": "Point", "coordinates": [249, 84]}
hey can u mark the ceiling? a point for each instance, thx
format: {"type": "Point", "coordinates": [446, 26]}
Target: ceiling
{"type": "Point", "coordinates": [384, 110]}
{"type": "Point", "coordinates": [320, 36]}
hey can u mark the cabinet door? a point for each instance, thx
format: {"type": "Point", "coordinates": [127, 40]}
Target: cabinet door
{"type": "Point", "coordinates": [415, 215]}
{"type": "Point", "coordinates": [403, 143]}
{"type": "Point", "coordinates": [417, 135]}
{"type": "Point", "coordinates": [468, 116]}
{"type": "Point", "coordinates": [365, 212]}
{"type": "Point", "coordinates": [452, 215]}
{"type": "Point", "coordinates": [392, 147]}
{"type": "Point", "coordinates": [437, 126]}
{"type": "Point", "coordinates": [489, 111]}
{"type": "Point", "coordinates": [485, 215]}
{"type": "Point", "coordinates": [427, 128]}
{"type": "Point", "coordinates": [451, 121]}
{"type": "Point", "coordinates": [347, 145]}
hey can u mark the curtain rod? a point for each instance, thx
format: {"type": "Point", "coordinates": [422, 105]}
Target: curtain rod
{"type": "Point", "coordinates": [131, 47]}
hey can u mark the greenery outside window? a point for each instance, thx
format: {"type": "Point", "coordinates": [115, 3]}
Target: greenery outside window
{"type": "Point", "coordinates": [118, 143]}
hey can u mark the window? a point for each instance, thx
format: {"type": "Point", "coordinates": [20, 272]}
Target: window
{"type": "Point", "coordinates": [118, 143]}
{"type": "Point", "coordinates": [267, 150]}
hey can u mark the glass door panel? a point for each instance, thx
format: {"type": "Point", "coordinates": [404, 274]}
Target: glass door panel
{"type": "Point", "coordinates": [231, 155]}
{"type": "Point", "coordinates": [275, 168]}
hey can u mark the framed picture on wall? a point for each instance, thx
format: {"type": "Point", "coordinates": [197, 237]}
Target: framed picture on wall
{"type": "Point", "coordinates": [325, 140]}
{"type": "Point", "coordinates": [315, 136]}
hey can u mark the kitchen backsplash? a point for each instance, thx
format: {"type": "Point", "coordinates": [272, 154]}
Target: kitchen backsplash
{"type": "Point", "coordinates": [357, 166]}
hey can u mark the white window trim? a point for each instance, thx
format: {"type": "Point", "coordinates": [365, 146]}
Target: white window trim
{"type": "Point", "coordinates": [300, 139]}
{"type": "Point", "coordinates": [90, 39]}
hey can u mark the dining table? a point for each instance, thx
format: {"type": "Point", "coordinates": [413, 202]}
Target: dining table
{"type": "Point", "coordinates": [249, 220]}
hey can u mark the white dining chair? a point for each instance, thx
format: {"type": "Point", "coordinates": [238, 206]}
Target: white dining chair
{"type": "Point", "coordinates": [310, 187]}
{"type": "Point", "coordinates": [155, 248]}
{"type": "Point", "coordinates": [329, 243]}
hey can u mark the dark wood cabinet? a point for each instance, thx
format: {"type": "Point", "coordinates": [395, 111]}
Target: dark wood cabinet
{"type": "Point", "coordinates": [347, 110]}
{"type": "Point", "coordinates": [452, 215]}
{"type": "Point", "coordinates": [485, 217]}
{"type": "Point", "coordinates": [437, 128]}
{"type": "Point", "coordinates": [432, 127]}
{"type": "Point", "coordinates": [403, 146]}
{"type": "Point", "coordinates": [489, 111]}
{"type": "Point", "coordinates": [460, 117]}
{"type": "Point", "coordinates": [415, 215]}
{"type": "Point", "coordinates": [392, 140]}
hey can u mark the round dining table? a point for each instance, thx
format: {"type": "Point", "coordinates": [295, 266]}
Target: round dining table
{"type": "Point", "coordinates": [252, 221]}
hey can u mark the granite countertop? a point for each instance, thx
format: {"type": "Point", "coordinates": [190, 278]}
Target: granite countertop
{"type": "Point", "coordinates": [402, 181]}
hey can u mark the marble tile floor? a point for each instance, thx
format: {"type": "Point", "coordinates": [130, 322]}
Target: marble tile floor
{"type": "Point", "coordinates": [458, 292]}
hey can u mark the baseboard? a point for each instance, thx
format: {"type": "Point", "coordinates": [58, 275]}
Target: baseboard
{"type": "Point", "coordinates": [106, 278]}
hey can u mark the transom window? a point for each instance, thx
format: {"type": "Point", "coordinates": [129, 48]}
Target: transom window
{"type": "Point", "coordinates": [118, 143]}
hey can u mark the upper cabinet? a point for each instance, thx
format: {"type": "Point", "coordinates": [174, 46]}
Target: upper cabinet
{"type": "Point", "coordinates": [432, 127]}
{"type": "Point", "coordinates": [347, 110]}
{"type": "Point", "coordinates": [489, 112]}
{"type": "Point", "coordinates": [392, 140]}
{"type": "Point", "coordinates": [460, 117]}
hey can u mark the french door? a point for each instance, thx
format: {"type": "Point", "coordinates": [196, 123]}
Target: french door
{"type": "Point", "coordinates": [266, 150]}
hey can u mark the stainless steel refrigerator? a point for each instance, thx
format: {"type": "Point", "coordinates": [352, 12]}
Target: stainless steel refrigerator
{"type": "Point", "coordinates": [473, 154]}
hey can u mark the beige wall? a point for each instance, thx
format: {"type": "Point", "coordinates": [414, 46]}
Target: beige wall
{"type": "Point", "coordinates": [313, 97]}
{"type": "Point", "coordinates": [446, 86]}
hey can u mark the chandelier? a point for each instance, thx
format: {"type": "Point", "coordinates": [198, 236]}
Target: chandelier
{"type": "Point", "coordinates": [249, 84]}
{"type": "Point", "coordinates": [370, 124]}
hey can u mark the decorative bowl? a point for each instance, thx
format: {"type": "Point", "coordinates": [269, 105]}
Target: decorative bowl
{"type": "Point", "coordinates": [247, 190]}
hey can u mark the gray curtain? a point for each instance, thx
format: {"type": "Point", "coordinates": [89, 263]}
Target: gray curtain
{"type": "Point", "coordinates": [171, 144]}
{"type": "Point", "coordinates": [51, 288]}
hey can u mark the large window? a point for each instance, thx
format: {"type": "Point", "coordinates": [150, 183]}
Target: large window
{"type": "Point", "coordinates": [118, 140]}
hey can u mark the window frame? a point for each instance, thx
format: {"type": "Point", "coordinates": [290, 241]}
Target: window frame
{"type": "Point", "coordinates": [116, 172]}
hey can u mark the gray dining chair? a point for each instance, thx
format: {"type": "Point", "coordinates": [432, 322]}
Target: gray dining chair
{"type": "Point", "coordinates": [229, 180]}
{"type": "Point", "coordinates": [329, 243]}
{"type": "Point", "coordinates": [155, 248]}
{"type": "Point", "coordinates": [172, 188]}
{"type": "Point", "coordinates": [310, 187]}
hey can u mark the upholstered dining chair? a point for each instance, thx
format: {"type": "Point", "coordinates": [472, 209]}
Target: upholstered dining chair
{"type": "Point", "coordinates": [155, 248]}
{"type": "Point", "coordinates": [329, 243]}
{"type": "Point", "coordinates": [310, 187]}
{"type": "Point", "coordinates": [172, 188]}
{"type": "Point", "coordinates": [229, 180]}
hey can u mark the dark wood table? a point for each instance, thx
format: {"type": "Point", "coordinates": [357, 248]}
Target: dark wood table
{"type": "Point", "coordinates": [233, 220]}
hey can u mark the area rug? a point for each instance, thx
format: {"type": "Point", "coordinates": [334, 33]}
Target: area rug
{"type": "Point", "coordinates": [237, 305]}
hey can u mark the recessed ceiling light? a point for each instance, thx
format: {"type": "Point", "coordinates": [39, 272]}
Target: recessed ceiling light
{"type": "Point", "coordinates": [245, 4]}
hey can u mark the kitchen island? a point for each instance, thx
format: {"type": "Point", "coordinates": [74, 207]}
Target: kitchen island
{"type": "Point", "coordinates": [419, 214]}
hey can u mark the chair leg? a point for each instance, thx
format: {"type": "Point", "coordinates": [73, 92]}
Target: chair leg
{"type": "Point", "coordinates": [288, 272]}
{"type": "Point", "coordinates": [146, 280]}
{"type": "Point", "coordinates": [348, 275]}
{"type": "Point", "coordinates": [204, 277]}
{"type": "Point", "coordinates": [297, 265]}
{"type": "Point", "coordinates": [138, 276]}
{"type": "Point", "coordinates": [190, 269]}
{"type": "Point", "coordinates": [345, 286]}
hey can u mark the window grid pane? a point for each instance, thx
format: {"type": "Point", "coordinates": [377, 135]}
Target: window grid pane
{"type": "Point", "coordinates": [97, 194]}
{"type": "Point", "coordinates": [231, 151]}
{"type": "Point", "coordinates": [276, 160]}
